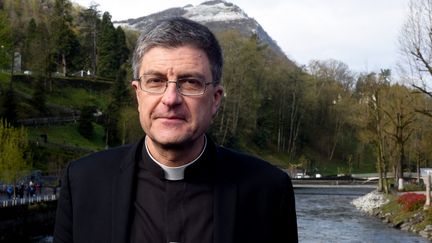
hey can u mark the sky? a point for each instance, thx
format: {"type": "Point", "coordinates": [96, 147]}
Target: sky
{"type": "Point", "coordinates": [361, 33]}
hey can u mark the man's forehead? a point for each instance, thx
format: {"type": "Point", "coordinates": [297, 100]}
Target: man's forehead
{"type": "Point", "coordinates": [175, 48]}
{"type": "Point", "coordinates": [171, 60]}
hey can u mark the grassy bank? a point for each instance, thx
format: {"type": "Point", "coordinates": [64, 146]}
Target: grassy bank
{"type": "Point", "coordinates": [406, 211]}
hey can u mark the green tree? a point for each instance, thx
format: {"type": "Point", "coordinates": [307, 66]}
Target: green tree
{"type": "Point", "coordinates": [18, 22]}
{"type": "Point", "coordinates": [372, 90]}
{"type": "Point", "coordinates": [113, 115]}
{"type": "Point", "coordinates": [9, 105]}
{"type": "Point", "coordinates": [333, 96]}
{"type": "Point", "coordinates": [243, 73]}
{"type": "Point", "coordinates": [129, 125]}
{"type": "Point", "coordinates": [5, 41]}
{"type": "Point", "coordinates": [285, 106]}
{"type": "Point", "coordinates": [15, 157]}
{"type": "Point", "coordinates": [30, 38]}
{"type": "Point", "coordinates": [85, 125]}
{"type": "Point", "coordinates": [401, 116]}
{"type": "Point", "coordinates": [122, 49]}
{"type": "Point", "coordinates": [89, 32]}
{"type": "Point", "coordinates": [66, 44]}
{"type": "Point", "coordinates": [39, 97]}
{"type": "Point", "coordinates": [38, 50]}
{"type": "Point", "coordinates": [108, 63]}
{"type": "Point", "coordinates": [120, 91]}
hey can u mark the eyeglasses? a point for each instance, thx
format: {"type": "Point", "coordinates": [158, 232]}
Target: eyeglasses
{"type": "Point", "coordinates": [188, 86]}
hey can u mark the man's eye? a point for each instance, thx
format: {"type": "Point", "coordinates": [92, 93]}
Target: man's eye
{"type": "Point", "coordinates": [155, 80]}
{"type": "Point", "coordinates": [191, 81]}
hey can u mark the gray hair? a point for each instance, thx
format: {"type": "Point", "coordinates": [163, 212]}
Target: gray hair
{"type": "Point", "coordinates": [177, 32]}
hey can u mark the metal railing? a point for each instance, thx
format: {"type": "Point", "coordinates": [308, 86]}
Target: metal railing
{"type": "Point", "coordinates": [27, 200]}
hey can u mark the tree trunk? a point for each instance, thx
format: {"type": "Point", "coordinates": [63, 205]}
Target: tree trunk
{"type": "Point", "coordinates": [12, 69]}
{"type": "Point", "coordinates": [64, 64]}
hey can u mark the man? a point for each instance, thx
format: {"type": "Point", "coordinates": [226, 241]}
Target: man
{"type": "Point", "coordinates": [175, 185]}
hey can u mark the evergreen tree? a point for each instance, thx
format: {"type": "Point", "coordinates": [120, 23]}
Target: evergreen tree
{"type": "Point", "coordinates": [65, 41]}
{"type": "Point", "coordinates": [15, 15]}
{"type": "Point", "coordinates": [29, 47]}
{"type": "Point", "coordinates": [39, 97]}
{"type": "Point", "coordinates": [108, 63]}
{"type": "Point", "coordinates": [113, 115]}
{"type": "Point", "coordinates": [43, 62]}
{"type": "Point", "coordinates": [85, 125]}
{"type": "Point", "coordinates": [6, 42]}
{"type": "Point", "coordinates": [120, 90]}
{"type": "Point", "coordinates": [122, 49]}
{"type": "Point", "coordinates": [112, 133]}
{"type": "Point", "coordinates": [10, 106]}
{"type": "Point", "coordinates": [88, 36]}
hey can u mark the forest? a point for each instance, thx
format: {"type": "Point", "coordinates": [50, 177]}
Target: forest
{"type": "Point", "coordinates": [318, 118]}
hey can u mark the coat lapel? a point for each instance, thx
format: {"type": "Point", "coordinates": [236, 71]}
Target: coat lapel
{"type": "Point", "coordinates": [123, 189]}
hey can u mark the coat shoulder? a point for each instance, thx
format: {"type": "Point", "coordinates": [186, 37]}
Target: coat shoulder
{"type": "Point", "coordinates": [107, 162]}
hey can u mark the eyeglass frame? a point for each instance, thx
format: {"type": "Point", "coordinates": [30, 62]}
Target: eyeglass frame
{"type": "Point", "coordinates": [139, 80]}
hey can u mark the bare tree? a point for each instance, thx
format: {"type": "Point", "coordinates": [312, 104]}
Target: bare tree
{"type": "Point", "coordinates": [416, 45]}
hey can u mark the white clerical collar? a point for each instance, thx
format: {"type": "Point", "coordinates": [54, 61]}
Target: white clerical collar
{"type": "Point", "coordinates": [175, 173]}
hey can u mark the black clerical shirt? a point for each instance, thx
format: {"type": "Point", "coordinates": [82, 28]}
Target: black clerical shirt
{"type": "Point", "coordinates": [173, 211]}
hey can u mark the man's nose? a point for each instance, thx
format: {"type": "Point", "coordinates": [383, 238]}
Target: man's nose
{"type": "Point", "coordinates": [171, 96]}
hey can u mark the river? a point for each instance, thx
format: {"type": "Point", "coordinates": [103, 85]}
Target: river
{"type": "Point", "coordinates": [326, 215]}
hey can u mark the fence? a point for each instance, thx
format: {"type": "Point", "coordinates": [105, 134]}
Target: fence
{"type": "Point", "coordinates": [48, 120]}
{"type": "Point", "coordinates": [27, 200]}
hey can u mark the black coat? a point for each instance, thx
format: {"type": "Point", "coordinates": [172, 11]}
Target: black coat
{"type": "Point", "coordinates": [253, 200]}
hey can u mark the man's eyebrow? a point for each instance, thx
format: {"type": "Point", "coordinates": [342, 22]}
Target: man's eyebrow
{"type": "Point", "coordinates": [180, 75]}
{"type": "Point", "coordinates": [154, 72]}
{"type": "Point", "coordinates": [191, 74]}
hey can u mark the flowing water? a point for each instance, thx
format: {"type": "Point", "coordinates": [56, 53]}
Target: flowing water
{"type": "Point", "coordinates": [326, 215]}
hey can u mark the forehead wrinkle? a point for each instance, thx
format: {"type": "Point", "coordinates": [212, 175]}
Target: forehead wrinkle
{"type": "Point", "coordinates": [170, 72]}
{"type": "Point", "coordinates": [175, 63]}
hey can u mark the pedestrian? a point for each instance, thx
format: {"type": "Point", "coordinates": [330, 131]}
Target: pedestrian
{"type": "Point", "coordinates": [9, 191]}
{"type": "Point", "coordinates": [37, 188]}
{"type": "Point", "coordinates": [175, 184]}
{"type": "Point", "coordinates": [21, 190]}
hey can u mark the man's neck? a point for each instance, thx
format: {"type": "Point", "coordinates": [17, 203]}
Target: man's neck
{"type": "Point", "coordinates": [175, 156]}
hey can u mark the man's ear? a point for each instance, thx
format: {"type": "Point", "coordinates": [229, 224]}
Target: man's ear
{"type": "Point", "coordinates": [135, 86]}
{"type": "Point", "coordinates": [217, 99]}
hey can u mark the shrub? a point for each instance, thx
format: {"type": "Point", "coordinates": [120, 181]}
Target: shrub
{"type": "Point", "coordinates": [410, 187]}
{"type": "Point", "coordinates": [411, 201]}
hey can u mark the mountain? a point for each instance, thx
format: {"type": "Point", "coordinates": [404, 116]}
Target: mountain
{"type": "Point", "coordinates": [218, 15]}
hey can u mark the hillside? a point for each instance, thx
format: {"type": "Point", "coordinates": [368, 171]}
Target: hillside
{"type": "Point", "coordinates": [64, 138]}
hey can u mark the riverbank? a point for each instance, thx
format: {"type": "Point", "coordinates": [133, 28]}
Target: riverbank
{"type": "Point", "coordinates": [391, 211]}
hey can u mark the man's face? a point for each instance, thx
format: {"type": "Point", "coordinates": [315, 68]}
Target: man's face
{"type": "Point", "coordinates": [171, 119]}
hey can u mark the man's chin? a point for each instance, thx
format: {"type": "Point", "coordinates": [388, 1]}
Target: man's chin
{"type": "Point", "coordinates": [172, 143]}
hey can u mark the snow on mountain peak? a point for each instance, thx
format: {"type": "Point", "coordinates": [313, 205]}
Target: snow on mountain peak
{"type": "Point", "coordinates": [214, 11]}
{"type": "Point", "coordinates": [218, 15]}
